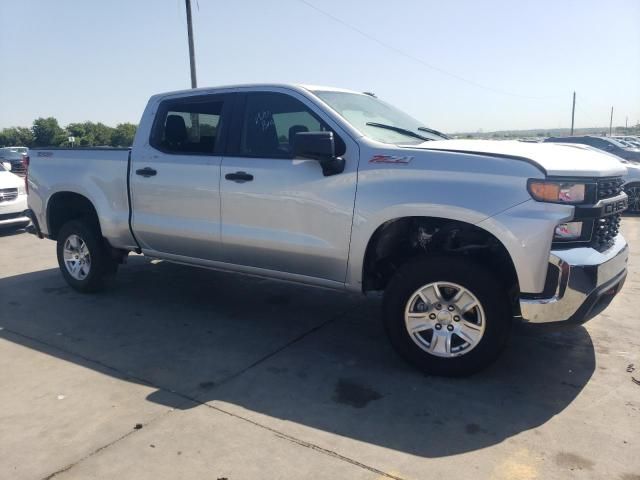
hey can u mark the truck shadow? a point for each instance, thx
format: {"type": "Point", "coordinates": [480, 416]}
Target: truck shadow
{"type": "Point", "coordinates": [11, 231]}
{"type": "Point", "coordinates": [284, 353]}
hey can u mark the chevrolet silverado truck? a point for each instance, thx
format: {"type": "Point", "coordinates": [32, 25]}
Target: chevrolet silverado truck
{"type": "Point", "coordinates": [335, 188]}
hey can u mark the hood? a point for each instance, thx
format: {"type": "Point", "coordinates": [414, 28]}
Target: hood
{"type": "Point", "coordinates": [633, 172]}
{"type": "Point", "coordinates": [9, 180]}
{"type": "Point", "coordinates": [555, 159]}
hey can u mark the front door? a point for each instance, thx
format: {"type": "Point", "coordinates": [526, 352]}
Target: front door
{"type": "Point", "coordinates": [281, 213]}
{"type": "Point", "coordinates": [175, 178]}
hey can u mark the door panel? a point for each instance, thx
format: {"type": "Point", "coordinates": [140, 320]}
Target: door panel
{"type": "Point", "coordinates": [177, 209]}
{"type": "Point", "coordinates": [289, 217]}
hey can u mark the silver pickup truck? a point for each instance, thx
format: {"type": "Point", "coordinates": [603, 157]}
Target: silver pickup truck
{"type": "Point", "coordinates": [339, 189]}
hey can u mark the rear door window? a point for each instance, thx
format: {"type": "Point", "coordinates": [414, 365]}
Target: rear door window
{"type": "Point", "coordinates": [190, 126]}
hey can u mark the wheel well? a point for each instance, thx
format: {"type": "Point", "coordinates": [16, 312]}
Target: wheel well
{"type": "Point", "coordinates": [65, 206]}
{"type": "Point", "coordinates": [397, 241]}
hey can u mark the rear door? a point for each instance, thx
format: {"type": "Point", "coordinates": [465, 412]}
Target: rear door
{"type": "Point", "coordinates": [279, 212]}
{"type": "Point", "coordinates": [175, 178]}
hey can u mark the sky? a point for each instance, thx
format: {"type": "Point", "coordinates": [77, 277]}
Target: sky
{"type": "Point", "coordinates": [462, 65]}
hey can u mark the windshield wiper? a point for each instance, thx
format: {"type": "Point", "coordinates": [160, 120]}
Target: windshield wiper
{"type": "Point", "coordinates": [404, 131]}
{"type": "Point", "coordinates": [435, 132]}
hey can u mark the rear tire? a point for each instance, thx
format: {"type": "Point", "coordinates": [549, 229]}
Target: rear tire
{"type": "Point", "coordinates": [457, 302]}
{"type": "Point", "coordinates": [84, 260]}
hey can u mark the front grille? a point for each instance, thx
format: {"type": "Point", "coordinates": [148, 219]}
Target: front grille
{"type": "Point", "coordinates": [605, 230]}
{"type": "Point", "coordinates": [609, 187]}
{"type": "Point", "coordinates": [8, 194]}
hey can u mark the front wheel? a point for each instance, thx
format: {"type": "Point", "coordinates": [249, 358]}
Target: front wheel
{"type": "Point", "coordinates": [82, 256]}
{"type": "Point", "coordinates": [633, 192]}
{"type": "Point", "coordinates": [447, 316]}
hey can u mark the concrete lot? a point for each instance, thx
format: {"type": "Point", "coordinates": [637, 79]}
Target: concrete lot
{"type": "Point", "coordinates": [180, 373]}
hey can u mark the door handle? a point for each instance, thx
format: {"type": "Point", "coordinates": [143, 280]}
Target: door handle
{"type": "Point", "coordinates": [146, 172]}
{"type": "Point", "coordinates": [239, 177]}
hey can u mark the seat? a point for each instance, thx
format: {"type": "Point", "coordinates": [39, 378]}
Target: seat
{"type": "Point", "coordinates": [293, 131]}
{"type": "Point", "coordinates": [175, 132]}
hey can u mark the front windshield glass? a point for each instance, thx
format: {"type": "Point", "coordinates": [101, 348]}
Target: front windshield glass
{"type": "Point", "coordinates": [617, 143]}
{"type": "Point", "coordinates": [362, 109]}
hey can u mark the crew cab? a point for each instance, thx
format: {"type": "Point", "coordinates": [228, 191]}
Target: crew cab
{"type": "Point", "coordinates": [335, 188]}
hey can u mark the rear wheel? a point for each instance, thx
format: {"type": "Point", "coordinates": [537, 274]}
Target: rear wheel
{"type": "Point", "coordinates": [633, 192]}
{"type": "Point", "coordinates": [447, 316]}
{"type": "Point", "coordinates": [83, 258]}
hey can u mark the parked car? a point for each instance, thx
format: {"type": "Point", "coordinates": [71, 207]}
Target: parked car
{"type": "Point", "coordinates": [13, 199]}
{"type": "Point", "coordinates": [22, 150]}
{"type": "Point", "coordinates": [607, 144]}
{"type": "Point", "coordinates": [339, 189]}
{"type": "Point", "coordinates": [633, 142]}
{"type": "Point", "coordinates": [632, 186]}
{"type": "Point", "coordinates": [16, 158]}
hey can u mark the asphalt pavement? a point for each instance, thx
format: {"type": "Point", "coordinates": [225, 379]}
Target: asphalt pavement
{"type": "Point", "coordinates": [183, 373]}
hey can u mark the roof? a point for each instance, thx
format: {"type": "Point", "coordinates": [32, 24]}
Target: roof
{"type": "Point", "coordinates": [291, 86]}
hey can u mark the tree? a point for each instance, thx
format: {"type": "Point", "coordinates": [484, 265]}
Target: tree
{"type": "Point", "coordinates": [99, 133]}
{"type": "Point", "coordinates": [77, 131]}
{"type": "Point", "coordinates": [122, 135]}
{"type": "Point", "coordinates": [47, 132]}
{"type": "Point", "coordinates": [16, 136]}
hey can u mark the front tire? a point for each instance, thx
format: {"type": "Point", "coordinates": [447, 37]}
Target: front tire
{"type": "Point", "coordinates": [83, 258]}
{"type": "Point", "coordinates": [447, 316]}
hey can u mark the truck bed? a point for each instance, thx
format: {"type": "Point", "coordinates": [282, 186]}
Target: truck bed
{"type": "Point", "coordinates": [99, 174]}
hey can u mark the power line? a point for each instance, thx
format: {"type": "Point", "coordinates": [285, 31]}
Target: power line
{"type": "Point", "coordinates": [413, 57]}
{"type": "Point", "coordinates": [594, 124]}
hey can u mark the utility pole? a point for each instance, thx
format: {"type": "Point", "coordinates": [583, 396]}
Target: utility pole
{"type": "Point", "coordinates": [192, 56]}
{"type": "Point", "coordinates": [573, 112]}
{"type": "Point", "coordinates": [611, 122]}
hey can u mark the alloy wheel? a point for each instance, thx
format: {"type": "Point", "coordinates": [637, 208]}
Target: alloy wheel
{"type": "Point", "coordinates": [445, 319]}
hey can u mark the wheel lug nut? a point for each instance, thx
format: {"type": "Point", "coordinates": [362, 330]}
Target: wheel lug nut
{"type": "Point", "coordinates": [438, 326]}
{"type": "Point", "coordinates": [439, 306]}
{"type": "Point", "coordinates": [450, 328]}
{"type": "Point", "coordinates": [450, 308]}
{"type": "Point", "coordinates": [432, 316]}
{"type": "Point", "coordinates": [456, 318]}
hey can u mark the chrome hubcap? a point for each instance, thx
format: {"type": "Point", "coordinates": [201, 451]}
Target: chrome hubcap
{"type": "Point", "coordinates": [634, 199]}
{"type": "Point", "coordinates": [77, 259]}
{"type": "Point", "coordinates": [444, 319]}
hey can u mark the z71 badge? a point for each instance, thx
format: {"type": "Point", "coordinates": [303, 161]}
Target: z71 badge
{"type": "Point", "coordinates": [404, 160]}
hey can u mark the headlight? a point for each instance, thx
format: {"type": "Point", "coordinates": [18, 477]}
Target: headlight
{"type": "Point", "coordinates": [557, 192]}
{"type": "Point", "coordinates": [568, 231]}
{"type": "Point", "coordinates": [21, 189]}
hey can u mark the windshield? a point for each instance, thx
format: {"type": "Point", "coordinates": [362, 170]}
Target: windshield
{"type": "Point", "coordinates": [617, 143]}
{"type": "Point", "coordinates": [371, 116]}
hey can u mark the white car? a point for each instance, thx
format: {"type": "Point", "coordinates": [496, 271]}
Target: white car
{"type": "Point", "coordinates": [13, 199]}
{"type": "Point", "coordinates": [632, 186]}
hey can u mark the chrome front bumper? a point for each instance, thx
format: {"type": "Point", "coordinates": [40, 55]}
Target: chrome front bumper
{"type": "Point", "coordinates": [14, 212]}
{"type": "Point", "coordinates": [586, 282]}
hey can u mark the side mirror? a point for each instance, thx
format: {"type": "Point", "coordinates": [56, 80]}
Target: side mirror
{"type": "Point", "coordinates": [319, 146]}
{"type": "Point", "coordinates": [7, 166]}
